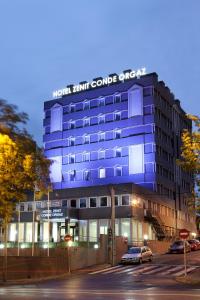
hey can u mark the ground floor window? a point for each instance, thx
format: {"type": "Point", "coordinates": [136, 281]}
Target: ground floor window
{"type": "Point", "coordinates": [92, 230]}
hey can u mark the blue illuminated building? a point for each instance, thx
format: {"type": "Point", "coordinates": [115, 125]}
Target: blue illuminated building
{"type": "Point", "coordinates": [124, 134]}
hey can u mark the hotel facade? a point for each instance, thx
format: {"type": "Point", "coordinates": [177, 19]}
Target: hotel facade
{"type": "Point", "coordinates": [123, 134]}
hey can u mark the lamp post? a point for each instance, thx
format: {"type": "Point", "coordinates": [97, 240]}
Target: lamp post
{"type": "Point", "coordinates": [113, 245]}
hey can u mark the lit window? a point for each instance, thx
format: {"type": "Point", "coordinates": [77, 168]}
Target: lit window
{"type": "Point", "coordinates": [102, 173]}
{"type": "Point", "coordinates": [101, 136]}
{"type": "Point", "coordinates": [125, 200]}
{"type": "Point", "coordinates": [118, 152]}
{"type": "Point", "coordinates": [72, 158]}
{"type": "Point", "coordinates": [71, 141]}
{"type": "Point", "coordinates": [72, 108]}
{"type": "Point", "coordinates": [86, 105]}
{"type": "Point", "coordinates": [118, 134]}
{"type": "Point", "coordinates": [117, 116]}
{"type": "Point", "coordinates": [86, 139]}
{"type": "Point", "coordinates": [86, 122]}
{"type": "Point", "coordinates": [72, 175]}
{"type": "Point", "coordinates": [101, 119]}
{"type": "Point", "coordinates": [101, 154]}
{"type": "Point", "coordinates": [117, 98]}
{"type": "Point", "coordinates": [93, 202]}
{"type": "Point", "coordinates": [72, 125]}
{"type": "Point", "coordinates": [86, 156]}
{"type": "Point", "coordinates": [118, 171]}
{"type": "Point", "coordinates": [103, 201]}
{"type": "Point", "coordinates": [86, 175]}
{"type": "Point", "coordinates": [101, 102]}
{"type": "Point", "coordinates": [83, 202]}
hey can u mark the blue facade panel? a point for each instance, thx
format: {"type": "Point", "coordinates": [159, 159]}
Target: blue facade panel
{"type": "Point", "coordinates": [95, 143]}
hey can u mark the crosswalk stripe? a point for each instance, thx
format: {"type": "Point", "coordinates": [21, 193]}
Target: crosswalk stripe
{"type": "Point", "coordinates": [106, 269]}
{"type": "Point", "coordinates": [188, 271]}
{"type": "Point", "coordinates": [171, 270]}
{"type": "Point", "coordinates": [140, 268]}
{"type": "Point", "coordinates": [160, 268]}
{"type": "Point", "coordinates": [152, 269]}
{"type": "Point", "coordinates": [115, 270]}
{"type": "Point", "coordinates": [175, 270]}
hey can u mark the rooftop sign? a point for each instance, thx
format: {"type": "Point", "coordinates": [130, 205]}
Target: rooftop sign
{"type": "Point", "coordinates": [99, 82]}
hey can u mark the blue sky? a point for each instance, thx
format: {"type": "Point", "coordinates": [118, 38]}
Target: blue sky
{"type": "Point", "coordinates": [47, 44]}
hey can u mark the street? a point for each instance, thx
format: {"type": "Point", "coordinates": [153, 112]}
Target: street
{"type": "Point", "coordinates": [147, 281]}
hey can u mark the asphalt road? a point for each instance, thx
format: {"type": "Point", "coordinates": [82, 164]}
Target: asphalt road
{"type": "Point", "coordinates": [150, 281]}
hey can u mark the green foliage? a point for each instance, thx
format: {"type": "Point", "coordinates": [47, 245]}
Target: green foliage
{"type": "Point", "coordinates": [190, 156]}
{"type": "Point", "coordinates": [23, 165]}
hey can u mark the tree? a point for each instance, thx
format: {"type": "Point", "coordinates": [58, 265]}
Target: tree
{"type": "Point", "coordinates": [23, 166]}
{"type": "Point", "coordinates": [190, 157]}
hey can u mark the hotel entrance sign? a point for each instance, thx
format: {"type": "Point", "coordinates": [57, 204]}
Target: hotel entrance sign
{"type": "Point", "coordinates": [99, 82]}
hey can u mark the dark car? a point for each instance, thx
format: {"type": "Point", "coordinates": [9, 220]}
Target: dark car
{"type": "Point", "coordinates": [178, 247]}
{"type": "Point", "coordinates": [194, 244]}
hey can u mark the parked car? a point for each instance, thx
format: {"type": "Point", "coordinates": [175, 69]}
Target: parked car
{"type": "Point", "coordinates": [194, 244]}
{"type": "Point", "coordinates": [178, 247]}
{"type": "Point", "coordinates": [137, 255]}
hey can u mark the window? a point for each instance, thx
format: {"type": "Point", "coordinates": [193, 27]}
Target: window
{"type": "Point", "coordinates": [125, 200]}
{"type": "Point", "coordinates": [72, 158]}
{"type": "Point", "coordinates": [64, 203]}
{"type": "Point", "coordinates": [83, 203]}
{"type": "Point", "coordinates": [86, 139]}
{"type": "Point", "coordinates": [136, 159]}
{"type": "Point", "coordinates": [135, 101]}
{"type": "Point", "coordinates": [103, 201]}
{"type": "Point", "coordinates": [101, 119]}
{"type": "Point", "coordinates": [118, 152]}
{"type": "Point", "coordinates": [117, 116]}
{"type": "Point", "coordinates": [117, 98]}
{"type": "Point", "coordinates": [101, 136]}
{"type": "Point", "coordinates": [86, 122]}
{"type": "Point", "coordinates": [86, 105]}
{"type": "Point", "coordinates": [72, 125]}
{"type": "Point", "coordinates": [72, 175]}
{"type": "Point", "coordinates": [73, 203]}
{"type": "Point", "coordinates": [101, 102]}
{"type": "Point", "coordinates": [72, 108]}
{"type": "Point", "coordinates": [38, 204]}
{"type": "Point", "coordinates": [118, 171]}
{"type": "Point", "coordinates": [30, 207]}
{"type": "Point", "coordinates": [93, 202]}
{"type": "Point", "coordinates": [101, 154]}
{"type": "Point", "coordinates": [86, 175]}
{"type": "Point", "coordinates": [102, 173]}
{"type": "Point", "coordinates": [118, 134]}
{"type": "Point", "coordinates": [86, 156]}
{"type": "Point", "coordinates": [71, 141]}
{"type": "Point", "coordinates": [56, 118]}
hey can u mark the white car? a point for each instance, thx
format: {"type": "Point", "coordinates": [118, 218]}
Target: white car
{"type": "Point", "coordinates": [137, 255]}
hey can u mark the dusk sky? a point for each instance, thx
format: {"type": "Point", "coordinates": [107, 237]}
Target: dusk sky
{"type": "Point", "coordinates": [48, 44]}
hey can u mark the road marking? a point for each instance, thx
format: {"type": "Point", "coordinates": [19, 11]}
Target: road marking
{"type": "Point", "coordinates": [106, 269]}
{"type": "Point", "coordinates": [171, 270]}
{"type": "Point", "coordinates": [157, 270]}
{"type": "Point", "coordinates": [183, 271]}
{"type": "Point", "coordinates": [115, 292]}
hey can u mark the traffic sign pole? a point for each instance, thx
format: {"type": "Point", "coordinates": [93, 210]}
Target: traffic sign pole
{"type": "Point", "coordinates": [185, 262]}
{"type": "Point", "coordinates": [184, 234]}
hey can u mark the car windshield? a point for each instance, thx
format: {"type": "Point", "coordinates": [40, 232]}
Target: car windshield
{"type": "Point", "coordinates": [134, 250]}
